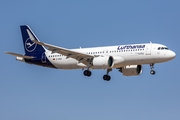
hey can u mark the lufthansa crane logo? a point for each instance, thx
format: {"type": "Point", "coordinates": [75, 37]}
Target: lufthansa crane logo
{"type": "Point", "coordinates": [30, 46]}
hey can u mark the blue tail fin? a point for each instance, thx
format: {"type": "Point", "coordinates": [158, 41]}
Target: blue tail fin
{"type": "Point", "coordinates": [31, 48]}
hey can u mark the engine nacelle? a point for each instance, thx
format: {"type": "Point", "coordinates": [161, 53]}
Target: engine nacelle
{"type": "Point", "coordinates": [132, 70]}
{"type": "Point", "coordinates": [103, 62]}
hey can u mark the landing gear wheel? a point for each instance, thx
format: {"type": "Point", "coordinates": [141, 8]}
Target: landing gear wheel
{"type": "Point", "coordinates": [87, 73]}
{"type": "Point", "coordinates": [153, 72]}
{"type": "Point", "coordinates": [106, 77]}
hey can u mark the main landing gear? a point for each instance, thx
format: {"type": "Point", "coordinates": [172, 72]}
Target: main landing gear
{"type": "Point", "coordinates": [87, 73]}
{"type": "Point", "coordinates": [106, 77]}
{"type": "Point", "coordinates": [152, 71]}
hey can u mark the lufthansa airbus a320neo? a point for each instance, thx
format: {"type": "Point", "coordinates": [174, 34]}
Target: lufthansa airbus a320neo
{"type": "Point", "coordinates": [128, 59]}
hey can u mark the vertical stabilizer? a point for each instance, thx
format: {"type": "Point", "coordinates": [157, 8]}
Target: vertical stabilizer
{"type": "Point", "coordinates": [31, 48]}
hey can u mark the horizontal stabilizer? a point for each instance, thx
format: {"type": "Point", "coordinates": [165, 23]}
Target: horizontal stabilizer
{"type": "Point", "coordinates": [20, 55]}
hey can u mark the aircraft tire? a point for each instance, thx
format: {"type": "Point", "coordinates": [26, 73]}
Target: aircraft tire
{"type": "Point", "coordinates": [107, 77]}
{"type": "Point", "coordinates": [87, 73]}
{"type": "Point", "coordinates": [153, 72]}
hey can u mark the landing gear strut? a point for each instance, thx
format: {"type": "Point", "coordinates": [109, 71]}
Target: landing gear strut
{"type": "Point", "coordinates": [106, 77]}
{"type": "Point", "coordinates": [152, 71]}
{"type": "Point", "coordinates": [87, 73]}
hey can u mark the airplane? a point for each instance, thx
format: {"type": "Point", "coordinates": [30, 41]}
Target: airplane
{"type": "Point", "coordinates": [128, 59]}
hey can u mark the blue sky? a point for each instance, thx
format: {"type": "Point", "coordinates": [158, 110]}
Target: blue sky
{"type": "Point", "coordinates": [29, 92]}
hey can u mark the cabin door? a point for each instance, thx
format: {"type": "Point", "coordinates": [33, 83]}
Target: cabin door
{"type": "Point", "coordinates": [148, 49]}
{"type": "Point", "coordinates": [43, 58]}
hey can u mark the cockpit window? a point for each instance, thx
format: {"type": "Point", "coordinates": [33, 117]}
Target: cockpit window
{"type": "Point", "coordinates": [163, 48]}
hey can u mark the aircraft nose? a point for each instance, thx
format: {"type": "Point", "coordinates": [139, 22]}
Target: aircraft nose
{"type": "Point", "coordinates": [172, 55]}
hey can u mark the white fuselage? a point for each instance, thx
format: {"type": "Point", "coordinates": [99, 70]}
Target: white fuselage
{"type": "Point", "coordinates": [133, 54]}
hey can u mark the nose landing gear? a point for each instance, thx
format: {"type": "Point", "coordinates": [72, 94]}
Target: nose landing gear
{"type": "Point", "coordinates": [152, 71]}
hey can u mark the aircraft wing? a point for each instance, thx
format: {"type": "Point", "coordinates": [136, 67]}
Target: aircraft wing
{"type": "Point", "coordinates": [19, 55]}
{"type": "Point", "coordinates": [81, 57]}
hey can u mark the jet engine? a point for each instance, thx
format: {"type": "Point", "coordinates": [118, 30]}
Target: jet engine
{"type": "Point", "coordinates": [131, 70]}
{"type": "Point", "coordinates": [103, 62]}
